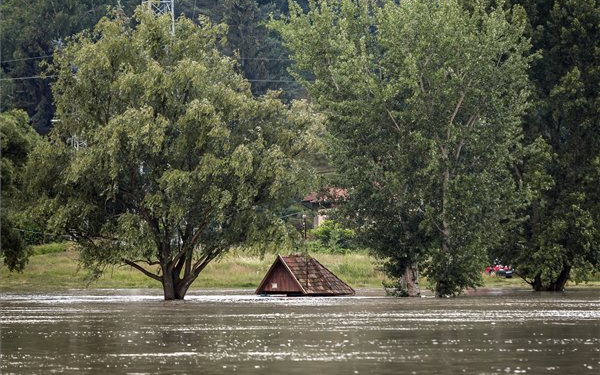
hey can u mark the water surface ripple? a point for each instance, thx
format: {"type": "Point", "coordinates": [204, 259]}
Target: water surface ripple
{"type": "Point", "coordinates": [217, 332]}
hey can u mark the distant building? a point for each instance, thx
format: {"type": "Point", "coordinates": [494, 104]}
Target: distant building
{"type": "Point", "coordinates": [302, 276]}
{"type": "Point", "coordinates": [321, 202]}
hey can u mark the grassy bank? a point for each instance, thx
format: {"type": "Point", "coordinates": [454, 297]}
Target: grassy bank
{"type": "Point", "coordinates": [55, 267]}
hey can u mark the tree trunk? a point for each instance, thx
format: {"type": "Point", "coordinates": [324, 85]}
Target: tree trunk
{"type": "Point", "coordinates": [445, 225]}
{"type": "Point", "coordinates": [182, 288]}
{"type": "Point", "coordinates": [440, 286]}
{"type": "Point", "coordinates": [174, 291]}
{"type": "Point", "coordinates": [561, 281]}
{"type": "Point", "coordinates": [409, 282]}
{"type": "Point", "coordinates": [440, 289]}
{"type": "Point", "coordinates": [557, 285]}
{"type": "Point", "coordinates": [537, 283]}
{"type": "Point", "coordinates": [171, 287]}
{"type": "Point", "coordinates": [168, 289]}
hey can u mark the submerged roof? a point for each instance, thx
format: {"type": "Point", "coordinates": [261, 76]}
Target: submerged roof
{"type": "Point", "coordinates": [311, 276]}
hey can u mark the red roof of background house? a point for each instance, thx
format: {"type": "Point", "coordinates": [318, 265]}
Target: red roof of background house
{"type": "Point", "coordinates": [332, 194]}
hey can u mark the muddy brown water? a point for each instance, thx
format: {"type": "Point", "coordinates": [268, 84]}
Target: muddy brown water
{"type": "Point", "coordinates": [224, 332]}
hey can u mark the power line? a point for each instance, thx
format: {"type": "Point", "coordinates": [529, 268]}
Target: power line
{"type": "Point", "coordinates": [42, 233]}
{"type": "Point", "coordinates": [264, 58]}
{"type": "Point", "coordinates": [271, 80]}
{"type": "Point", "coordinates": [235, 58]}
{"type": "Point", "coordinates": [52, 76]}
{"type": "Point", "coordinates": [26, 58]}
{"type": "Point", "coordinates": [24, 78]}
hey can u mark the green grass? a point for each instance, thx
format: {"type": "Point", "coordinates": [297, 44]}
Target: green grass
{"type": "Point", "coordinates": [55, 267]}
{"type": "Point", "coordinates": [517, 282]}
{"type": "Point", "coordinates": [50, 248]}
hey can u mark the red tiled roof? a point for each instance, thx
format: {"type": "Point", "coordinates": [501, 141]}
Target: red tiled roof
{"type": "Point", "coordinates": [315, 278]}
{"type": "Point", "coordinates": [332, 194]}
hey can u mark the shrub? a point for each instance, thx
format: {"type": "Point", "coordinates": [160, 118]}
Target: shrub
{"type": "Point", "coordinates": [50, 248]}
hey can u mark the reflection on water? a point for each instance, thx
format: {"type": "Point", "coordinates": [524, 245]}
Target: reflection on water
{"type": "Point", "coordinates": [133, 332]}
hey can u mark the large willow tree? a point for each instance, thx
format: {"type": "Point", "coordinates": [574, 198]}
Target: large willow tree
{"type": "Point", "coordinates": [162, 159]}
{"type": "Point", "coordinates": [424, 101]}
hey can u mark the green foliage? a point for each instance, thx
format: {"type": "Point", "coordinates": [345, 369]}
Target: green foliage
{"type": "Point", "coordinates": [61, 271]}
{"type": "Point", "coordinates": [17, 139]}
{"type": "Point", "coordinates": [561, 238]}
{"type": "Point", "coordinates": [51, 248]}
{"type": "Point", "coordinates": [180, 161]}
{"type": "Point", "coordinates": [424, 101]}
{"type": "Point", "coordinates": [33, 30]}
{"type": "Point", "coordinates": [395, 288]}
{"type": "Point", "coordinates": [331, 237]}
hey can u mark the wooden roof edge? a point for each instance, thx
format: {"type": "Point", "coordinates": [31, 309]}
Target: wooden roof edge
{"type": "Point", "coordinates": [292, 273]}
{"type": "Point", "coordinates": [264, 280]}
{"type": "Point", "coordinates": [334, 275]}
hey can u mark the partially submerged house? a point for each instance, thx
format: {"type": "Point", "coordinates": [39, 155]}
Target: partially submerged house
{"type": "Point", "coordinates": [302, 276]}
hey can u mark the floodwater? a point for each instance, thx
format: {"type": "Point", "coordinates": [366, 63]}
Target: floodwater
{"type": "Point", "coordinates": [223, 332]}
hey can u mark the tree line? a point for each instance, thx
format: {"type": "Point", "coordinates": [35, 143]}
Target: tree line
{"type": "Point", "coordinates": [461, 132]}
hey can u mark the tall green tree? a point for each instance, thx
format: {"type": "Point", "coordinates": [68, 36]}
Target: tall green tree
{"type": "Point", "coordinates": [561, 238]}
{"type": "Point", "coordinates": [424, 101]}
{"type": "Point", "coordinates": [17, 139]}
{"type": "Point", "coordinates": [163, 159]}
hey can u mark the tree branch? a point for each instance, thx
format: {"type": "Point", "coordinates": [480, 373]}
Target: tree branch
{"type": "Point", "coordinates": [393, 120]}
{"type": "Point", "coordinates": [457, 108]}
{"type": "Point", "coordinates": [202, 263]}
{"type": "Point", "coordinates": [147, 261]}
{"type": "Point", "coordinates": [141, 269]}
{"type": "Point", "coordinates": [459, 149]}
{"type": "Point", "coordinates": [469, 125]}
{"type": "Point", "coordinates": [524, 279]}
{"type": "Point", "coordinates": [472, 120]}
{"type": "Point", "coordinates": [443, 149]}
{"type": "Point", "coordinates": [422, 84]}
{"type": "Point", "coordinates": [438, 227]}
{"type": "Point", "coordinates": [193, 241]}
{"type": "Point", "coordinates": [519, 176]}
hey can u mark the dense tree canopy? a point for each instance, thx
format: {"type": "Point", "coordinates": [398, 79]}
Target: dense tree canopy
{"type": "Point", "coordinates": [162, 156]}
{"type": "Point", "coordinates": [561, 238]}
{"type": "Point", "coordinates": [17, 139]}
{"type": "Point", "coordinates": [424, 101]}
{"type": "Point", "coordinates": [33, 30]}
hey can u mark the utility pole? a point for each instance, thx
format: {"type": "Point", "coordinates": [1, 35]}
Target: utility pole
{"type": "Point", "coordinates": [306, 260]}
{"type": "Point", "coordinates": [161, 7]}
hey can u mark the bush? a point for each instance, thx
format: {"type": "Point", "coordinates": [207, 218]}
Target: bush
{"type": "Point", "coordinates": [331, 237]}
{"type": "Point", "coordinates": [50, 248]}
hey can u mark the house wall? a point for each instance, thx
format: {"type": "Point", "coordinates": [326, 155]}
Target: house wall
{"type": "Point", "coordinates": [319, 218]}
{"type": "Point", "coordinates": [285, 283]}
